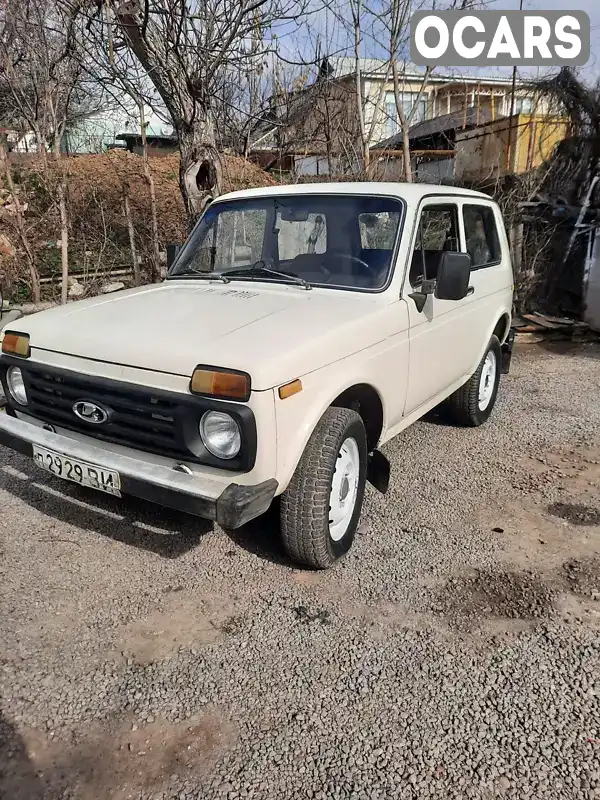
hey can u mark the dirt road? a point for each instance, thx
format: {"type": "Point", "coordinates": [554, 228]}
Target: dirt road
{"type": "Point", "coordinates": [454, 653]}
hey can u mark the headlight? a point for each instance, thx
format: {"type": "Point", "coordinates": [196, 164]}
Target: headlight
{"type": "Point", "coordinates": [220, 434]}
{"type": "Point", "coordinates": [16, 385]}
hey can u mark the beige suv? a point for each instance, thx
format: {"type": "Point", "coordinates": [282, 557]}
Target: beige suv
{"type": "Point", "coordinates": [299, 329]}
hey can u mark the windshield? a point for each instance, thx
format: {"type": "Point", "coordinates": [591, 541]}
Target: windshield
{"type": "Point", "coordinates": [343, 241]}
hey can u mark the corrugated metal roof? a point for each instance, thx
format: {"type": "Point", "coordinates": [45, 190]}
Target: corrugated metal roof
{"type": "Point", "coordinates": [346, 65]}
{"type": "Point", "coordinates": [430, 127]}
{"type": "Point", "coordinates": [343, 66]}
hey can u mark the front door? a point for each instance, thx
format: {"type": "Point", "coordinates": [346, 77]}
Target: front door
{"type": "Point", "coordinates": [442, 343]}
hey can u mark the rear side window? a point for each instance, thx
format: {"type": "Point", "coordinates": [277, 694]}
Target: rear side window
{"type": "Point", "coordinates": [481, 233]}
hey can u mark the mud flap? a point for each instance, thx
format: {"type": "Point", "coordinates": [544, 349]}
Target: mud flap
{"type": "Point", "coordinates": [507, 349]}
{"type": "Point", "coordinates": [378, 471]}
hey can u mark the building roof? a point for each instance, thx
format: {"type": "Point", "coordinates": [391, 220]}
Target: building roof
{"type": "Point", "coordinates": [152, 138]}
{"type": "Point", "coordinates": [443, 124]}
{"type": "Point", "coordinates": [374, 68]}
{"type": "Point", "coordinates": [342, 66]}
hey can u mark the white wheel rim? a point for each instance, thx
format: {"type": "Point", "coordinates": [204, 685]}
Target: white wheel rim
{"type": "Point", "coordinates": [487, 380]}
{"type": "Point", "coordinates": [344, 489]}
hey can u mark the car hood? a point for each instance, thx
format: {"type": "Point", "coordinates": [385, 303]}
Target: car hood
{"type": "Point", "coordinates": [273, 332]}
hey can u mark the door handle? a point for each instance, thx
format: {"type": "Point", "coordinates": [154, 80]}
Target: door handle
{"type": "Point", "coordinates": [470, 290]}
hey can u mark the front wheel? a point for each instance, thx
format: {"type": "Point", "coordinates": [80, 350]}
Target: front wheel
{"type": "Point", "coordinates": [321, 507]}
{"type": "Point", "coordinates": [472, 404]}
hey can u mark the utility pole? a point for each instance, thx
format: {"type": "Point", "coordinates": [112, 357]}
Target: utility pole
{"type": "Point", "coordinates": [512, 112]}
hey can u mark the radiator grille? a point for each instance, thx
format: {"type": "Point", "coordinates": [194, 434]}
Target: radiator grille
{"type": "Point", "coordinates": [137, 418]}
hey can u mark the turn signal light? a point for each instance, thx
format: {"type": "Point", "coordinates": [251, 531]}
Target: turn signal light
{"type": "Point", "coordinates": [221, 384]}
{"type": "Point", "coordinates": [15, 344]}
{"type": "Point", "coordinates": [290, 389]}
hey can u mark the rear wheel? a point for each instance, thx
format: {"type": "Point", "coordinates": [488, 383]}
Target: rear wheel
{"type": "Point", "coordinates": [321, 507]}
{"type": "Point", "coordinates": [472, 404]}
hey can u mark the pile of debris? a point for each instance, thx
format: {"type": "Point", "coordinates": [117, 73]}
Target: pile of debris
{"type": "Point", "coordinates": [537, 327]}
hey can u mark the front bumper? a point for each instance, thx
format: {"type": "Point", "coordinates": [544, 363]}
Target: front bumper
{"type": "Point", "coordinates": [230, 507]}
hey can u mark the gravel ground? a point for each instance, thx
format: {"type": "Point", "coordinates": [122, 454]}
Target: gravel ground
{"type": "Point", "coordinates": [455, 653]}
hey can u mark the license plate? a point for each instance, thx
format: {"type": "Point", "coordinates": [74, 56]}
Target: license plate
{"type": "Point", "coordinates": [71, 469]}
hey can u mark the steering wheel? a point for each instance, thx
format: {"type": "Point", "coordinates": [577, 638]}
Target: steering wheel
{"type": "Point", "coordinates": [356, 260]}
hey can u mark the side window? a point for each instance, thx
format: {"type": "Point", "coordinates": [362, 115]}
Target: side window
{"type": "Point", "coordinates": [300, 236]}
{"type": "Point", "coordinates": [437, 233]}
{"type": "Point", "coordinates": [481, 233]}
{"type": "Point", "coordinates": [378, 230]}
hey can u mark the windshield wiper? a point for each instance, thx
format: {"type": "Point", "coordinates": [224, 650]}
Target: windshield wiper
{"type": "Point", "coordinates": [198, 273]}
{"type": "Point", "coordinates": [261, 269]}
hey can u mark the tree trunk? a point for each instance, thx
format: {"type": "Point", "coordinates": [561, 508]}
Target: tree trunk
{"type": "Point", "coordinates": [408, 175]}
{"type": "Point", "coordinates": [131, 230]}
{"type": "Point", "coordinates": [60, 184]}
{"type": "Point", "coordinates": [356, 8]}
{"type": "Point", "coordinates": [155, 253]}
{"type": "Point", "coordinates": [364, 141]}
{"type": "Point", "coordinates": [406, 119]}
{"type": "Point", "coordinates": [185, 97]}
{"type": "Point", "coordinates": [21, 227]}
{"type": "Point", "coordinates": [200, 169]}
{"type": "Point", "coordinates": [64, 240]}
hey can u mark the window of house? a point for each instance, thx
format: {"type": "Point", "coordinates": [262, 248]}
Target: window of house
{"type": "Point", "coordinates": [391, 115]}
{"type": "Point", "coordinates": [523, 105]}
{"type": "Point", "coordinates": [409, 99]}
{"type": "Point", "coordinates": [437, 234]}
{"type": "Point", "coordinates": [311, 165]}
{"type": "Point", "coordinates": [481, 232]}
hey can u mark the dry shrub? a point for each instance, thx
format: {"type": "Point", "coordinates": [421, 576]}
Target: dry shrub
{"type": "Point", "coordinates": [97, 185]}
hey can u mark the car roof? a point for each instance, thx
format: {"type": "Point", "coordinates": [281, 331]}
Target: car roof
{"type": "Point", "coordinates": [412, 193]}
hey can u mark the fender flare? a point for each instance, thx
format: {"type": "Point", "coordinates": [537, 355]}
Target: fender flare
{"type": "Point", "coordinates": [504, 315]}
{"type": "Point", "coordinates": [317, 409]}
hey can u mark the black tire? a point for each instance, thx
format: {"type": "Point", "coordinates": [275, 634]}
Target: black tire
{"type": "Point", "coordinates": [462, 407]}
{"type": "Point", "coordinates": [304, 510]}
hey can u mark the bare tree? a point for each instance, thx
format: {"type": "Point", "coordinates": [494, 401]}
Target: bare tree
{"type": "Point", "coordinates": [241, 99]}
{"type": "Point", "coordinates": [377, 31]}
{"type": "Point", "coordinates": [393, 30]}
{"type": "Point", "coordinates": [155, 252]}
{"type": "Point", "coordinates": [12, 210]}
{"type": "Point", "coordinates": [42, 87]}
{"type": "Point", "coordinates": [187, 51]}
{"type": "Point", "coordinates": [108, 60]}
{"type": "Point", "coordinates": [356, 9]}
{"type": "Point", "coordinates": [317, 119]}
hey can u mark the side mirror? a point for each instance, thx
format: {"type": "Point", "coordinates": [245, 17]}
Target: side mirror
{"type": "Point", "coordinates": [453, 276]}
{"type": "Point", "coordinates": [172, 251]}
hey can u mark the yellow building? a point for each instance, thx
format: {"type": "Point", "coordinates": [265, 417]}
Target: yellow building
{"type": "Point", "coordinates": [510, 145]}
